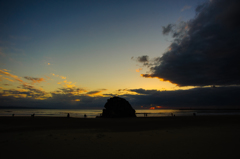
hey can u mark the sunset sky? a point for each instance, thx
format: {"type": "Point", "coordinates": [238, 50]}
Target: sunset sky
{"type": "Point", "coordinates": [78, 53]}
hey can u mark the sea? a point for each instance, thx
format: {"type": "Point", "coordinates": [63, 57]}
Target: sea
{"type": "Point", "coordinates": [92, 113]}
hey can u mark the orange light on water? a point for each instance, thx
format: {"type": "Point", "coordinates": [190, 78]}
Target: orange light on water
{"type": "Point", "coordinates": [152, 108]}
{"type": "Point", "coordinates": [158, 107]}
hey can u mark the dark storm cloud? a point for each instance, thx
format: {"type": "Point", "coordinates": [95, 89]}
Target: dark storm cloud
{"type": "Point", "coordinates": [142, 59]}
{"type": "Point", "coordinates": [218, 97]}
{"type": "Point", "coordinates": [143, 91]}
{"type": "Point", "coordinates": [166, 30]}
{"type": "Point", "coordinates": [146, 61]}
{"type": "Point", "coordinates": [205, 50]}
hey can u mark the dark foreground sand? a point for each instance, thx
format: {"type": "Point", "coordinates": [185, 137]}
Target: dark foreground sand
{"type": "Point", "coordinates": [204, 137]}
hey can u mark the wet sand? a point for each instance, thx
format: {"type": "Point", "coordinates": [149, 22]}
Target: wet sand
{"type": "Point", "coordinates": [163, 137]}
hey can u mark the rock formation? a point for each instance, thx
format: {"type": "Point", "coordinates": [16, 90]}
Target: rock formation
{"type": "Point", "coordinates": [118, 107]}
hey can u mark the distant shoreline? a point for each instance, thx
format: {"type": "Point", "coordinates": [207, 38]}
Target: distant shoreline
{"type": "Point", "coordinates": [103, 108]}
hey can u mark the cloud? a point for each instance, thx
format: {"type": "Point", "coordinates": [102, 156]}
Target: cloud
{"type": "Point", "coordinates": [7, 84]}
{"type": "Point", "coordinates": [35, 93]}
{"type": "Point", "coordinates": [138, 70]}
{"type": "Point", "coordinates": [34, 80]}
{"type": "Point", "coordinates": [143, 58]}
{"type": "Point", "coordinates": [205, 50]}
{"type": "Point", "coordinates": [68, 84]}
{"type": "Point", "coordinates": [71, 91]}
{"type": "Point", "coordinates": [95, 93]}
{"type": "Point", "coordinates": [63, 77]}
{"type": "Point", "coordinates": [26, 91]}
{"type": "Point", "coordinates": [54, 75]}
{"type": "Point", "coordinates": [47, 77]}
{"type": "Point", "coordinates": [193, 98]}
{"type": "Point", "coordinates": [8, 79]}
{"type": "Point", "coordinates": [185, 8]}
{"type": "Point", "coordinates": [145, 61]}
{"type": "Point", "coordinates": [166, 30]}
{"type": "Point", "coordinates": [69, 96]}
{"type": "Point", "coordinates": [10, 75]}
{"type": "Point", "coordinates": [218, 97]}
{"type": "Point", "coordinates": [65, 83]}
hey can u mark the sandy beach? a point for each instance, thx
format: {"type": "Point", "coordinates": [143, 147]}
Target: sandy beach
{"type": "Point", "coordinates": [162, 137]}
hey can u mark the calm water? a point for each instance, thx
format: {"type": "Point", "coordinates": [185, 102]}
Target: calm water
{"type": "Point", "coordinates": [92, 113]}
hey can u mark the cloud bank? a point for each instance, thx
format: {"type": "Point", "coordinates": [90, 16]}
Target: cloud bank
{"type": "Point", "coordinates": [217, 97]}
{"type": "Point", "coordinates": [208, 98]}
{"type": "Point", "coordinates": [205, 50]}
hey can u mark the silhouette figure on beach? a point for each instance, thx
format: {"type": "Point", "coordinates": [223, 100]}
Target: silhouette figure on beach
{"type": "Point", "coordinates": [33, 115]}
{"type": "Point", "coordinates": [68, 115]}
{"type": "Point", "coordinates": [85, 116]}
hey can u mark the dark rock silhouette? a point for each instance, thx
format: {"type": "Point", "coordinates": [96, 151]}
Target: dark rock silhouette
{"type": "Point", "coordinates": [118, 107]}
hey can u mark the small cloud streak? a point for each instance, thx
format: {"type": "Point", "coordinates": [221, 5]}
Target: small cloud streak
{"type": "Point", "coordinates": [69, 84]}
{"type": "Point", "coordinates": [65, 83]}
{"type": "Point", "coordinates": [185, 8]}
{"type": "Point", "coordinates": [10, 75]}
{"type": "Point", "coordinates": [95, 93]}
{"type": "Point", "coordinates": [62, 77]}
{"type": "Point", "coordinates": [138, 70]}
{"type": "Point", "coordinates": [8, 79]}
{"type": "Point", "coordinates": [34, 80]}
{"type": "Point", "coordinates": [47, 77]}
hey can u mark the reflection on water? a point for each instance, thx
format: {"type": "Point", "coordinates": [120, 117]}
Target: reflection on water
{"type": "Point", "coordinates": [92, 113]}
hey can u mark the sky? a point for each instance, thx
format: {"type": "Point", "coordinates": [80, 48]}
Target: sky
{"type": "Point", "coordinates": [154, 53]}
